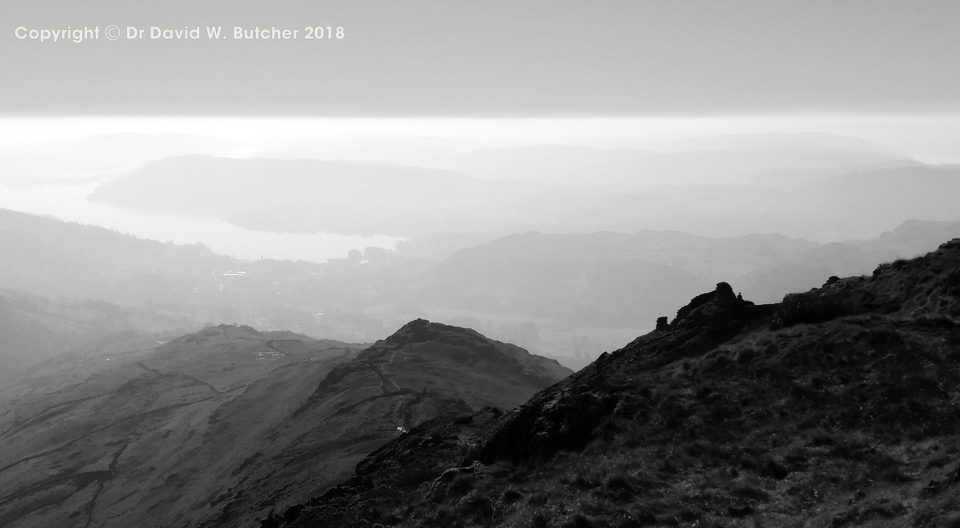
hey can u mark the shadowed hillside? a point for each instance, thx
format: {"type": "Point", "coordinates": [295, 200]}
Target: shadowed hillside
{"type": "Point", "coordinates": [140, 433]}
{"type": "Point", "coordinates": [835, 407]}
{"type": "Point", "coordinates": [211, 427]}
{"type": "Point", "coordinates": [424, 371]}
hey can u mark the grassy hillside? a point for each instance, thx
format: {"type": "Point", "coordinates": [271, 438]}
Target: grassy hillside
{"type": "Point", "coordinates": [213, 427]}
{"type": "Point", "coordinates": [835, 407]}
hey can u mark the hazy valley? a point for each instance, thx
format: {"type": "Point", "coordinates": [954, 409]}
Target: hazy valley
{"type": "Point", "coordinates": [564, 296]}
{"type": "Point", "coordinates": [149, 383]}
{"type": "Point", "coordinates": [463, 264]}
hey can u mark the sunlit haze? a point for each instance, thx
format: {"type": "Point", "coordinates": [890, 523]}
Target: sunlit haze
{"type": "Point", "coordinates": [423, 142]}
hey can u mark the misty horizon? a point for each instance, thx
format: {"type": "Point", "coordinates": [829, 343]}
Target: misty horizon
{"type": "Point", "coordinates": [58, 162]}
{"type": "Point", "coordinates": [461, 263]}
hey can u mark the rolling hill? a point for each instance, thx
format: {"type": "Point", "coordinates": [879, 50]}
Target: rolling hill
{"type": "Point", "coordinates": [813, 186]}
{"type": "Point", "coordinates": [569, 296]}
{"type": "Point", "coordinates": [47, 256]}
{"type": "Point", "coordinates": [629, 278]}
{"type": "Point", "coordinates": [140, 432]}
{"type": "Point", "coordinates": [306, 195]}
{"type": "Point", "coordinates": [210, 427]}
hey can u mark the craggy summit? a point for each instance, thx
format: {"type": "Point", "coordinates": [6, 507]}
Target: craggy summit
{"type": "Point", "coordinates": [836, 407]}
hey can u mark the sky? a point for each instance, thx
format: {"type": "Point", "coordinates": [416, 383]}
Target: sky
{"type": "Point", "coordinates": [488, 58]}
{"type": "Point", "coordinates": [449, 76]}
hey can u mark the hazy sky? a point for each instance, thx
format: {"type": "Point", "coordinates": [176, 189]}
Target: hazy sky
{"type": "Point", "coordinates": [502, 58]}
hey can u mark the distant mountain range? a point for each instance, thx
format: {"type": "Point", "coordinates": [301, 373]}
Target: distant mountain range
{"type": "Point", "coordinates": [308, 195]}
{"type": "Point", "coordinates": [629, 278]}
{"type": "Point", "coordinates": [215, 427]}
{"type": "Point", "coordinates": [838, 404]}
{"type": "Point", "coordinates": [835, 407]}
{"type": "Point", "coordinates": [154, 384]}
{"type": "Point", "coordinates": [813, 186]}
{"type": "Point", "coordinates": [736, 159]}
{"type": "Point", "coordinates": [570, 296]}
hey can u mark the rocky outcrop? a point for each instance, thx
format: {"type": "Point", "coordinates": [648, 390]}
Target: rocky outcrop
{"type": "Point", "coordinates": [837, 407]}
{"type": "Point", "coordinates": [423, 372]}
{"type": "Point", "coordinates": [566, 417]}
{"type": "Point", "coordinates": [928, 285]}
{"type": "Point", "coordinates": [662, 323]}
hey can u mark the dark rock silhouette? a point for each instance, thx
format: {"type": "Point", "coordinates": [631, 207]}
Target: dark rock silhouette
{"type": "Point", "coordinates": [838, 406]}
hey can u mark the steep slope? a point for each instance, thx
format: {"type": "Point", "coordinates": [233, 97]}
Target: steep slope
{"type": "Point", "coordinates": [424, 371]}
{"type": "Point", "coordinates": [836, 407]}
{"type": "Point", "coordinates": [210, 427]}
{"type": "Point", "coordinates": [146, 436]}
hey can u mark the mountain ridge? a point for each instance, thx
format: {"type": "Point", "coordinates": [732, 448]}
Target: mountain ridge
{"type": "Point", "coordinates": [837, 406]}
{"type": "Point", "coordinates": [210, 427]}
{"type": "Point", "coordinates": [423, 371]}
